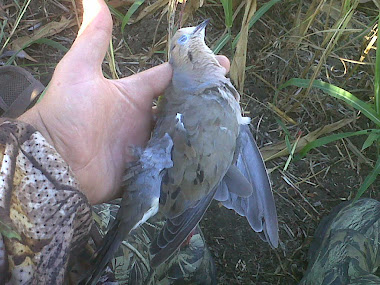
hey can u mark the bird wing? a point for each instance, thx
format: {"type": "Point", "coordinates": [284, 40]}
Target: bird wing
{"type": "Point", "coordinates": [177, 229]}
{"type": "Point", "coordinates": [259, 207]}
{"type": "Point", "coordinates": [140, 200]}
{"type": "Point", "coordinates": [202, 153]}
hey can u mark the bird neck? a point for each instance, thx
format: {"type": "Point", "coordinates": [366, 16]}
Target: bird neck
{"type": "Point", "coordinates": [193, 78]}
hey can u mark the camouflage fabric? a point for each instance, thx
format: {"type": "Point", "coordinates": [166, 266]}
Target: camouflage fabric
{"type": "Point", "coordinates": [45, 223]}
{"type": "Point", "coordinates": [346, 247]}
{"type": "Point", "coordinates": [192, 264]}
{"type": "Point", "coordinates": [44, 218]}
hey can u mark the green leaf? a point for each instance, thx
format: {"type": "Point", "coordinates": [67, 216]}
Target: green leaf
{"type": "Point", "coordinates": [339, 93]}
{"type": "Point", "coordinates": [45, 41]}
{"type": "Point", "coordinates": [370, 139]}
{"type": "Point", "coordinates": [288, 144]}
{"type": "Point", "coordinates": [259, 13]}
{"type": "Point", "coordinates": [116, 13]}
{"type": "Point", "coordinates": [332, 138]}
{"type": "Point", "coordinates": [221, 43]}
{"type": "Point", "coordinates": [369, 179]}
{"type": "Point", "coordinates": [17, 22]}
{"type": "Point", "coordinates": [2, 30]}
{"type": "Point", "coordinates": [130, 12]}
{"type": "Point", "coordinates": [283, 127]}
{"type": "Point", "coordinates": [228, 13]}
{"type": "Point", "coordinates": [291, 151]}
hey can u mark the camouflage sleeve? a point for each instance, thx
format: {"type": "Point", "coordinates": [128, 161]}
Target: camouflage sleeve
{"type": "Point", "coordinates": [43, 215]}
{"type": "Point", "coordinates": [191, 264]}
{"type": "Point", "coordinates": [346, 247]}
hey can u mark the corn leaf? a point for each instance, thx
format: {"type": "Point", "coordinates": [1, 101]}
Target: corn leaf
{"type": "Point", "coordinates": [130, 12]}
{"type": "Point", "coordinates": [228, 13]}
{"type": "Point", "coordinates": [221, 43]}
{"type": "Point", "coordinates": [328, 139]}
{"type": "Point", "coordinates": [339, 93]}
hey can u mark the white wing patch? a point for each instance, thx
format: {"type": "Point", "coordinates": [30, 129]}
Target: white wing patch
{"type": "Point", "coordinates": [179, 117]}
{"type": "Point", "coordinates": [150, 213]}
{"type": "Point", "coordinates": [245, 121]}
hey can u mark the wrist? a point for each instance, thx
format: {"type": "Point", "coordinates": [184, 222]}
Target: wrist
{"type": "Point", "coordinates": [33, 118]}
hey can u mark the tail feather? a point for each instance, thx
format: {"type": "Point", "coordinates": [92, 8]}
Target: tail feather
{"type": "Point", "coordinates": [166, 244]}
{"type": "Point", "coordinates": [112, 240]}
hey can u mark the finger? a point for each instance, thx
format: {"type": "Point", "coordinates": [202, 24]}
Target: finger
{"type": "Point", "coordinates": [146, 85]}
{"type": "Point", "coordinates": [93, 38]}
{"type": "Point", "coordinates": [224, 62]}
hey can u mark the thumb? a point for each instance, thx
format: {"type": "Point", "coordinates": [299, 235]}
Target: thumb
{"type": "Point", "coordinates": [87, 53]}
{"type": "Point", "coordinates": [146, 85]}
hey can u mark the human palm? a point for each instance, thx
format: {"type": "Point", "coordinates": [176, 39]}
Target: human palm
{"type": "Point", "coordinates": [93, 121]}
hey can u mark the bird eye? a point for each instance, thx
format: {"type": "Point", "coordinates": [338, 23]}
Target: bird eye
{"type": "Point", "coordinates": [183, 39]}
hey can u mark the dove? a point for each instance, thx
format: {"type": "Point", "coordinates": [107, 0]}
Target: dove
{"type": "Point", "coordinates": [200, 149]}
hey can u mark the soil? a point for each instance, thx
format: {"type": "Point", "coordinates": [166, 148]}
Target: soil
{"type": "Point", "coordinates": [310, 187]}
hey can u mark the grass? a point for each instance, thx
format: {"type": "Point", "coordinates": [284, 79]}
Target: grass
{"type": "Point", "coordinates": [371, 111]}
{"type": "Point", "coordinates": [311, 84]}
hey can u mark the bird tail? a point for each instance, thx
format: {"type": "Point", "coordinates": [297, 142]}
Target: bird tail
{"type": "Point", "coordinates": [176, 230]}
{"type": "Point", "coordinates": [111, 243]}
{"type": "Point", "coordinates": [141, 184]}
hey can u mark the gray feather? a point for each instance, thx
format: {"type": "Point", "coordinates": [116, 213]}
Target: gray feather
{"type": "Point", "coordinates": [259, 208]}
{"type": "Point", "coordinates": [142, 190]}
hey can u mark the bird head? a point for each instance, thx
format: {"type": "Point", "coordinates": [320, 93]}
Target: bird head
{"type": "Point", "coordinates": [190, 54]}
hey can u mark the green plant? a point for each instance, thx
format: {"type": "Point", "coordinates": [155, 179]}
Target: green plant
{"type": "Point", "coordinates": [371, 112]}
{"type": "Point", "coordinates": [229, 20]}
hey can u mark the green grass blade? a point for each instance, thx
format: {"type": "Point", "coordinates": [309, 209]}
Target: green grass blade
{"type": "Point", "coordinates": [228, 13]}
{"type": "Point", "coordinates": [369, 179]}
{"type": "Point", "coordinates": [112, 62]}
{"type": "Point", "coordinates": [259, 13]}
{"type": "Point", "coordinates": [283, 127]}
{"type": "Point", "coordinates": [328, 139]}
{"type": "Point", "coordinates": [19, 17]}
{"type": "Point", "coordinates": [130, 12]}
{"type": "Point", "coordinates": [339, 93]}
{"type": "Point", "coordinates": [369, 141]}
{"type": "Point", "coordinates": [221, 43]}
{"type": "Point", "coordinates": [377, 71]}
{"type": "Point", "coordinates": [2, 30]}
{"type": "Point", "coordinates": [292, 150]}
{"type": "Point", "coordinates": [45, 41]}
{"type": "Point", "coordinates": [288, 144]}
{"type": "Point", "coordinates": [116, 13]}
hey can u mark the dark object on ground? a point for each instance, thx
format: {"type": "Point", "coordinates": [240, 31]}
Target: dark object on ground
{"type": "Point", "coordinates": [346, 248]}
{"type": "Point", "coordinates": [18, 90]}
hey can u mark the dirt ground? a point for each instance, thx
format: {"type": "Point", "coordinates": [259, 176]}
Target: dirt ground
{"type": "Point", "coordinates": [309, 188]}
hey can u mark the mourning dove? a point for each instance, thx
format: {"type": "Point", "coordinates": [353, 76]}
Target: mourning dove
{"type": "Point", "coordinates": [201, 149]}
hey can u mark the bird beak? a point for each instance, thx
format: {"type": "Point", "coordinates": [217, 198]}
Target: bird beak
{"type": "Point", "coordinates": [201, 27]}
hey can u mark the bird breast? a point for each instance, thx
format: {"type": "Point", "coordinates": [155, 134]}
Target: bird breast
{"type": "Point", "coordinates": [204, 128]}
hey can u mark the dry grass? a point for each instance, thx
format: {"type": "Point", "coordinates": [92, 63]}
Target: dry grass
{"type": "Point", "coordinates": [333, 41]}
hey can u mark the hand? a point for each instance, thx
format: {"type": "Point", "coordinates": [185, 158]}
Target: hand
{"type": "Point", "coordinates": [91, 121]}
